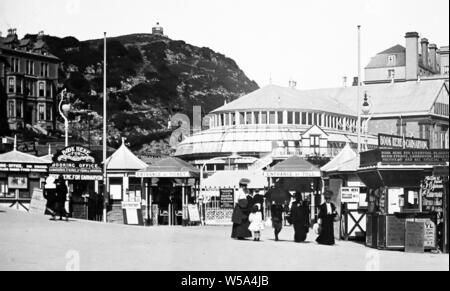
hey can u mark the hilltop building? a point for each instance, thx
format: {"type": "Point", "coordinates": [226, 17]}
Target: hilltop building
{"type": "Point", "coordinates": [158, 29]}
{"type": "Point", "coordinates": [30, 80]}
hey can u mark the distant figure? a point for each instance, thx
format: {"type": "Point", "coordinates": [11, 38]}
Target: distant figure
{"type": "Point", "coordinates": [241, 213]}
{"type": "Point", "coordinates": [61, 195]}
{"type": "Point", "coordinates": [50, 196]}
{"type": "Point", "coordinates": [277, 218]}
{"type": "Point", "coordinates": [300, 218]}
{"type": "Point", "coordinates": [256, 222]}
{"type": "Point", "coordinates": [327, 214]}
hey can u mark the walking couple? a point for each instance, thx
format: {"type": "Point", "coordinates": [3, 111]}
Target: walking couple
{"type": "Point", "coordinates": [55, 191]}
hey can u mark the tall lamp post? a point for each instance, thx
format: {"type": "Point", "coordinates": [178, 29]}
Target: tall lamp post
{"type": "Point", "coordinates": [359, 90]}
{"type": "Point", "coordinates": [63, 111]}
{"type": "Point", "coordinates": [366, 111]}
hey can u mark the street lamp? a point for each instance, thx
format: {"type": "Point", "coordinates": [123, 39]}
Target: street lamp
{"type": "Point", "coordinates": [64, 111]}
{"type": "Point", "coordinates": [366, 111]}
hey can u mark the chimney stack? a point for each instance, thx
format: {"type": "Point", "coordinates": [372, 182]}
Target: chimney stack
{"type": "Point", "coordinates": [412, 55]}
{"type": "Point", "coordinates": [424, 44]}
{"type": "Point", "coordinates": [433, 57]}
{"type": "Point", "coordinates": [40, 34]}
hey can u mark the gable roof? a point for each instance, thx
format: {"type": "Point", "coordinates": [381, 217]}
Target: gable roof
{"type": "Point", "coordinates": [345, 155]}
{"type": "Point", "coordinates": [171, 167]}
{"type": "Point", "coordinates": [381, 59]}
{"type": "Point", "coordinates": [316, 127]}
{"type": "Point", "coordinates": [124, 159]}
{"type": "Point", "coordinates": [295, 166]}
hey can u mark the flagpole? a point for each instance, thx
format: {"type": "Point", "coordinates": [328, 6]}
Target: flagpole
{"type": "Point", "coordinates": [358, 99]}
{"type": "Point", "coordinates": [105, 182]}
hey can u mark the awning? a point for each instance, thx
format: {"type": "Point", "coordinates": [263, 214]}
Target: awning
{"type": "Point", "coordinates": [294, 167]}
{"type": "Point", "coordinates": [230, 179]}
{"type": "Point", "coordinates": [169, 168]}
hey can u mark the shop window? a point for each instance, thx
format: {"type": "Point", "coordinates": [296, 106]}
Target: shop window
{"type": "Point", "coordinates": [41, 112]}
{"type": "Point", "coordinates": [11, 85]}
{"type": "Point", "coordinates": [3, 188]}
{"type": "Point", "coordinates": [280, 117]}
{"type": "Point", "coordinates": [409, 201]}
{"type": "Point", "coordinates": [115, 188]}
{"type": "Point", "coordinates": [290, 117]}
{"type": "Point", "coordinates": [135, 189]}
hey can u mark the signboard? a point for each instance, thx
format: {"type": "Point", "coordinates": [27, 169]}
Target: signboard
{"type": "Point", "coordinates": [226, 198]}
{"type": "Point", "coordinates": [432, 189]}
{"type": "Point", "coordinates": [404, 157]}
{"type": "Point", "coordinates": [393, 141]}
{"type": "Point", "coordinates": [350, 194]}
{"type": "Point", "coordinates": [292, 174]}
{"type": "Point", "coordinates": [430, 232]}
{"type": "Point", "coordinates": [38, 202]}
{"type": "Point", "coordinates": [414, 237]}
{"type": "Point", "coordinates": [395, 231]}
{"type": "Point", "coordinates": [23, 168]}
{"type": "Point", "coordinates": [163, 174]}
{"type": "Point", "coordinates": [132, 213]}
{"type": "Point", "coordinates": [193, 211]}
{"type": "Point", "coordinates": [18, 182]}
{"type": "Point", "coordinates": [76, 163]}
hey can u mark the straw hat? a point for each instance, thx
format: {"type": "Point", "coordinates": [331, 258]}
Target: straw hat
{"type": "Point", "coordinates": [244, 181]}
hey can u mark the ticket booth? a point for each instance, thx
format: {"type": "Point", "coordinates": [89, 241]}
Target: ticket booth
{"type": "Point", "coordinates": [82, 171]}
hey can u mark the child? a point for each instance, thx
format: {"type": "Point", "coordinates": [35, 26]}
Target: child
{"type": "Point", "coordinates": [256, 222]}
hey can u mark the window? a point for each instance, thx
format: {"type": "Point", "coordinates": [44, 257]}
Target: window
{"type": "Point", "coordinates": [11, 109]}
{"type": "Point", "coordinates": [290, 118]}
{"type": "Point", "coordinates": [29, 67]}
{"type": "Point", "coordinates": [297, 118]}
{"type": "Point", "coordinates": [249, 118]}
{"type": "Point", "coordinates": [241, 118]}
{"type": "Point", "coordinates": [391, 73]}
{"type": "Point", "coordinates": [272, 117]}
{"type": "Point", "coordinates": [49, 114]}
{"type": "Point", "coordinates": [391, 60]}
{"type": "Point", "coordinates": [41, 89]}
{"type": "Point", "coordinates": [15, 65]}
{"type": "Point", "coordinates": [445, 70]}
{"type": "Point", "coordinates": [303, 118]}
{"type": "Point", "coordinates": [3, 188]}
{"type": "Point", "coordinates": [48, 90]}
{"type": "Point", "coordinates": [30, 88]}
{"type": "Point", "coordinates": [315, 143]}
{"type": "Point", "coordinates": [310, 119]}
{"type": "Point", "coordinates": [11, 85]}
{"type": "Point", "coordinates": [280, 117]}
{"type": "Point", "coordinates": [18, 85]}
{"type": "Point", "coordinates": [41, 112]}
{"type": "Point", "coordinates": [19, 109]}
{"type": "Point", "coordinates": [263, 117]}
{"type": "Point", "coordinates": [256, 114]}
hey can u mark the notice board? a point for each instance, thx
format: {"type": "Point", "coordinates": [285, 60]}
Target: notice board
{"type": "Point", "coordinates": [194, 215]}
{"type": "Point", "coordinates": [226, 198]}
{"type": "Point", "coordinates": [414, 237]}
{"type": "Point", "coordinates": [38, 202]}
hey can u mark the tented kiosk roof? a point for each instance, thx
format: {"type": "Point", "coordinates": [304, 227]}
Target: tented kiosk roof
{"type": "Point", "coordinates": [169, 168]}
{"type": "Point", "coordinates": [294, 167]}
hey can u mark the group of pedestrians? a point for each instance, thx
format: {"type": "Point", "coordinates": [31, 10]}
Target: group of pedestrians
{"type": "Point", "coordinates": [55, 192]}
{"type": "Point", "coordinates": [248, 218]}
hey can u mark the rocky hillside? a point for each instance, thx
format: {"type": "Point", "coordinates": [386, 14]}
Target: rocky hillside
{"type": "Point", "coordinates": [150, 78]}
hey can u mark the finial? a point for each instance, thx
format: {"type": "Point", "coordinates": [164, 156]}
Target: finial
{"type": "Point", "coordinates": [49, 149]}
{"type": "Point", "coordinates": [15, 142]}
{"type": "Point", "coordinates": [123, 140]}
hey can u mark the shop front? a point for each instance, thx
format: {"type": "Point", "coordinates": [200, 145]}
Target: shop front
{"type": "Point", "coordinates": [20, 175]}
{"type": "Point", "coordinates": [340, 177]}
{"type": "Point", "coordinates": [403, 191]}
{"type": "Point", "coordinates": [82, 171]}
{"type": "Point", "coordinates": [171, 193]}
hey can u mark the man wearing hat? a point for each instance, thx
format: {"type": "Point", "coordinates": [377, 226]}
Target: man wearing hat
{"type": "Point", "coordinates": [327, 214]}
{"type": "Point", "coordinates": [50, 196]}
{"type": "Point", "coordinates": [241, 212]}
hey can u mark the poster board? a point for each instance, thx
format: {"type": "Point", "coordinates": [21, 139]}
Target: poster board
{"type": "Point", "coordinates": [132, 213]}
{"type": "Point", "coordinates": [350, 194]}
{"type": "Point", "coordinates": [226, 198]}
{"type": "Point", "coordinates": [395, 232]}
{"type": "Point", "coordinates": [38, 202]}
{"type": "Point", "coordinates": [414, 237]}
{"type": "Point", "coordinates": [432, 189]}
{"type": "Point", "coordinates": [194, 214]}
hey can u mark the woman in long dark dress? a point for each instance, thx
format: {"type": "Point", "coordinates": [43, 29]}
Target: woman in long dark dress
{"type": "Point", "coordinates": [300, 218]}
{"type": "Point", "coordinates": [327, 214]}
{"type": "Point", "coordinates": [241, 213]}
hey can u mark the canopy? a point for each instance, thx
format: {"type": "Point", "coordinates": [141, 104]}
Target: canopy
{"type": "Point", "coordinates": [124, 160]}
{"type": "Point", "coordinates": [230, 179]}
{"type": "Point", "coordinates": [346, 155]}
{"type": "Point", "coordinates": [294, 167]}
{"type": "Point", "coordinates": [169, 168]}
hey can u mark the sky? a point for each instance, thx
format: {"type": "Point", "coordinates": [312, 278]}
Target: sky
{"type": "Point", "coordinates": [273, 41]}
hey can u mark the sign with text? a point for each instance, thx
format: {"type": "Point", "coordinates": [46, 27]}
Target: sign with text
{"type": "Point", "coordinates": [393, 141]}
{"type": "Point", "coordinates": [350, 194]}
{"type": "Point", "coordinates": [194, 214]}
{"type": "Point", "coordinates": [76, 163]}
{"type": "Point", "coordinates": [414, 237]}
{"type": "Point", "coordinates": [404, 157]}
{"type": "Point", "coordinates": [226, 198]}
{"type": "Point", "coordinates": [432, 189]}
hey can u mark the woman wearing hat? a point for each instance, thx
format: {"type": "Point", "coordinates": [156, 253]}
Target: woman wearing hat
{"type": "Point", "coordinates": [241, 212]}
{"type": "Point", "coordinates": [300, 218]}
{"type": "Point", "coordinates": [327, 214]}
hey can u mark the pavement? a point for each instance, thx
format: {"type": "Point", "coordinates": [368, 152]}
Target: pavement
{"type": "Point", "coordinates": [33, 242]}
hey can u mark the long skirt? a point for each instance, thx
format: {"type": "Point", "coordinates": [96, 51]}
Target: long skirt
{"type": "Point", "coordinates": [300, 232]}
{"type": "Point", "coordinates": [240, 230]}
{"type": "Point", "coordinates": [326, 236]}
